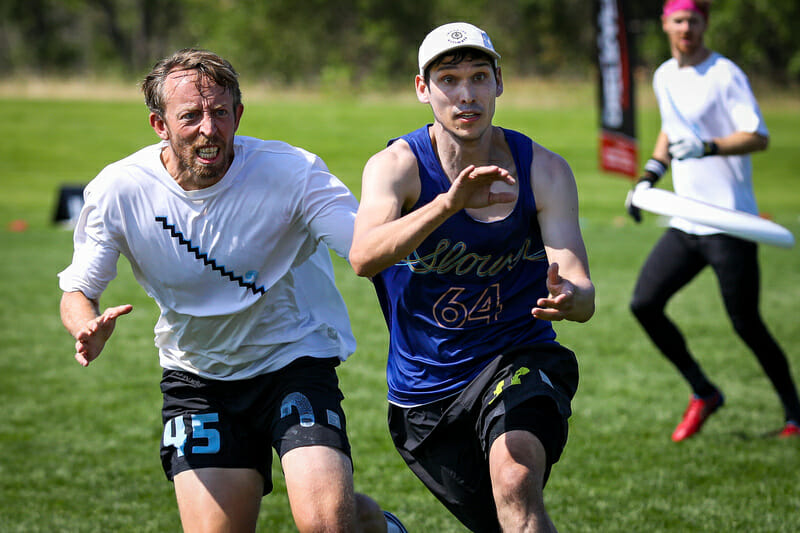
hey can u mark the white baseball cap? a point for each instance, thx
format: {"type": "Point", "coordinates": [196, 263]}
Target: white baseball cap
{"type": "Point", "coordinates": [451, 36]}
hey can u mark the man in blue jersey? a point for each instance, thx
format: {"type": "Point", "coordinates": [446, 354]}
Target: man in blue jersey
{"type": "Point", "coordinates": [470, 234]}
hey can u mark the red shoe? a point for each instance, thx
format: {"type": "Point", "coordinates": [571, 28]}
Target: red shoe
{"type": "Point", "coordinates": [792, 429]}
{"type": "Point", "coordinates": [696, 414]}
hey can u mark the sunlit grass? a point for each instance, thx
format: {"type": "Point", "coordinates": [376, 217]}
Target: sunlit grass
{"type": "Point", "coordinates": [80, 446]}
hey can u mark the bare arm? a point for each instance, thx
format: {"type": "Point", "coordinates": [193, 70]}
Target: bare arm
{"type": "Point", "coordinates": [383, 235]}
{"type": "Point", "coordinates": [571, 289]}
{"type": "Point", "coordinates": [741, 142]}
{"type": "Point", "coordinates": [81, 316]}
{"type": "Point", "coordinates": [661, 148]}
{"type": "Point", "coordinates": [737, 143]}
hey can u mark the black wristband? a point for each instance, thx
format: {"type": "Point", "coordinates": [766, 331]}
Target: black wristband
{"type": "Point", "coordinates": [653, 170]}
{"type": "Point", "coordinates": [710, 148]}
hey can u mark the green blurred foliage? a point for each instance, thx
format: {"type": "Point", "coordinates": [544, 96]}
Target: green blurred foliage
{"type": "Point", "coordinates": [364, 42]}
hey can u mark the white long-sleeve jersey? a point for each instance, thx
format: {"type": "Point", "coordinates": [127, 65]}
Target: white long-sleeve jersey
{"type": "Point", "coordinates": [240, 270]}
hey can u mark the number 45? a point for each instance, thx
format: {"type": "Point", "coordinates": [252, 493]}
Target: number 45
{"type": "Point", "coordinates": [176, 434]}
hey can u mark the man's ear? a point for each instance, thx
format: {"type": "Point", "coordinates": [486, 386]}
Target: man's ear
{"type": "Point", "coordinates": [422, 90]}
{"type": "Point", "coordinates": [159, 126]}
{"type": "Point", "coordinates": [499, 75]}
{"type": "Point", "coordinates": [239, 111]}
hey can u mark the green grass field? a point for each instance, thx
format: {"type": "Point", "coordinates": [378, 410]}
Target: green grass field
{"type": "Point", "coordinates": [79, 447]}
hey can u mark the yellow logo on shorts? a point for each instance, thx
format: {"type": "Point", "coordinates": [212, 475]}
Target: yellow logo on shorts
{"type": "Point", "coordinates": [515, 380]}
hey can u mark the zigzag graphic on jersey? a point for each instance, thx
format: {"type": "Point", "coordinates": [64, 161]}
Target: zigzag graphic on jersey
{"type": "Point", "coordinates": [225, 273]}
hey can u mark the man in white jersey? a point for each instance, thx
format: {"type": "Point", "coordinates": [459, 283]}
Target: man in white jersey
{"type": "Point", "coordinates": [230, 236]}
{"type": "Point", "coordinates": [710, 123]}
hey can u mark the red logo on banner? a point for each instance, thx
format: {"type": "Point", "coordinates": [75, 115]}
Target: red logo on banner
{"type": "Point", "coordinates": [618, 153]}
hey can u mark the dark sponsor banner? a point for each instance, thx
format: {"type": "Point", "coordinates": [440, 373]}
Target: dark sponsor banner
{"type": "Point", "coordinates": [618, 146]}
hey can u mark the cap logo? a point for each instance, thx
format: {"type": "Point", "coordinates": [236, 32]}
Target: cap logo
{"type": "Point", "coordinates": [448, 37]}
{"type": "Point", "coordinates": [456, 36]}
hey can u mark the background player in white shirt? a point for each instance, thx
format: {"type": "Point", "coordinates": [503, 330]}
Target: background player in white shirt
{"type": "Point", "coordinates": [710, 123]}
{"type": "Point", "coordinates": [230, 236]}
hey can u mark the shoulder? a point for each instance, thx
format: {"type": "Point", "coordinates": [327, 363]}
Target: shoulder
{"type": "Point", "coordinates": [119, 177]}
{"type": "Point", "coordinates": [392, 175]}
{"type": "Point", "coordinates": [549, 163]}
{"type": "Point", "coordinates": [552, 180]}
{"type": "Point", "coordinates": [668, 66]}
{"type": "Point", "coordinates": [719, 61]}
{"type": "Point", "coordinates": [278, 166]}
{"type": "Point", "coordinates": [145, 158]}
{"type": "Point", "coordinates": [662, 75]}
{"type": "Point", "coordinates": [397, 159]}
{"type": "Point", "coordinates": [725, 70]}
{"type": "Point", "coordinates": [733, 73]}
{"type": "Point", "coordinates": [277, 151]}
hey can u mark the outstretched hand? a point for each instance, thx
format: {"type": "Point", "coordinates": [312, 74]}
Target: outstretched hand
{"type": "Point", "coordinates": [472, 187]}
{"type": "Point", "coordinates": [92, 338]}
{"type": "Point", "coordinates": [561, 301]}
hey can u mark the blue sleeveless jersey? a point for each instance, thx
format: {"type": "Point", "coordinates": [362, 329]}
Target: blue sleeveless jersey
{"type": "Point", "coordinates": [465, 294]}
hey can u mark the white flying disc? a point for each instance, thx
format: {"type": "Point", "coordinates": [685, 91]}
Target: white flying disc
{"type": "Point", "coordinates": [736, 223]}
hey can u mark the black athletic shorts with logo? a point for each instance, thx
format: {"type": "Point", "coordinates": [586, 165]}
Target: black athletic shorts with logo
{"type": "Point", "coordinates": [446, 443]}
{"type": "Point", "coordinates": [235, 424]}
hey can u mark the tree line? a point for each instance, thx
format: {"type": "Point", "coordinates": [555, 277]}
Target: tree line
{"type": "Point", "coordinates": [364, 42]}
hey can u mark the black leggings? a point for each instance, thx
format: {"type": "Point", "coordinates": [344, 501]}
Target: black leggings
{"type": "Point", "coordinates": [674, 261]}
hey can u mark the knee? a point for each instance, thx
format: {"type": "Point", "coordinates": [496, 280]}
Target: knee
{"type": "Point", "coordinates": [742, 326]}
{"type": "Point", "coordinates": [367, 517]}
{"type": "Point", "coordinates": [518, 494]}
{"type": "Point", "coordinates": [324, 512]}
{"type": "Point", "coordinates": [513, 480]}
{"type": "Point", "coordinates": [753, 331]}
{"type": "Point", "coordinates": [745, 320]}
{"type": "Point", "coordinates": [643, 308]}
{"type": "Point", "coordinates": [517, 470]}
{"type": "Point", "coordinates": [315, 520]}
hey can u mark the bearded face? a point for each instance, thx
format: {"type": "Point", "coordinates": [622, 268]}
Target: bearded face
{"type": "Point", "coordinates": [199, 123]}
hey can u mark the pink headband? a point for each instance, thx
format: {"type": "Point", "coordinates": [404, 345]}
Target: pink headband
{"type": "Point", "coordinates": [679, 5]}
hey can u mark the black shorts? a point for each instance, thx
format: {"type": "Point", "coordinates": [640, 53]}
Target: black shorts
{"type": "Point", "coordinates": [446, 443]}
{"type": "Point", "coordinates": [235, 424]}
